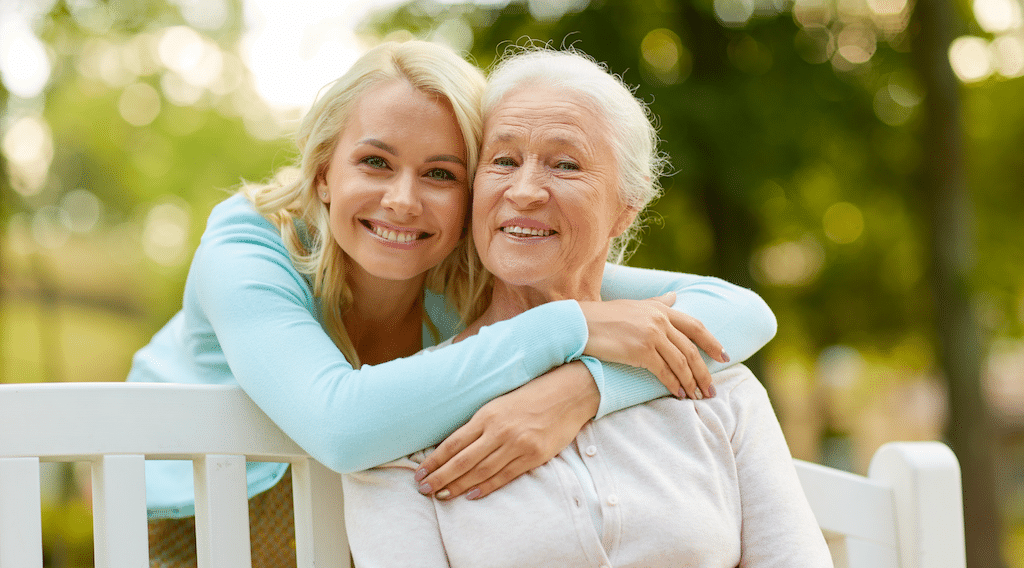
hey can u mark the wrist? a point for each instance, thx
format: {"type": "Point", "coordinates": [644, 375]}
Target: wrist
{"type": "Point", "coordinates": [586, 377]}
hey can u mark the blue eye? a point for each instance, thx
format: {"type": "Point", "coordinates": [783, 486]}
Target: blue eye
{"type": "Point", "coordinates": [505, 161]}
{"type": "Point", "coordinates": [441, 174]}
{"type": "Point", "coordinates": [570, 166]}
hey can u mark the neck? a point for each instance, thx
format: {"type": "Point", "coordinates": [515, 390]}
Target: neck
{"type": "Point", "coordinates": [385, 319]}
{"type": "Point", "coordinates": [510, 300]}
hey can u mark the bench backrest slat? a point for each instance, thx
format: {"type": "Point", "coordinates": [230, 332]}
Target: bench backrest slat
{"type": "Point", "coordinates": [119, 511]}
{"type": "Point", "coordinates": [21, 537]}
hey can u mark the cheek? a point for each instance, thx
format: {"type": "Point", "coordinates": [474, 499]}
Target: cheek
{"type": "Point", "coordinates": [451, 209]}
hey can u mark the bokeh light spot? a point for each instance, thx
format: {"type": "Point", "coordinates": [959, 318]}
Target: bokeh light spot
{"type": "Point", "coordinates": [139, 104]}
{"type": "Point", "coordinates": [843, 223]}
{"type": "Point", "coordinates": [28, 146]}
{"type": "Point", "coordinates": [665, 56]}
{"type": "Point", "coordinates": [734, 13]}
{"type": "Point", "coordinates": [1008, 53]}
{"type": "Point", "coordinates": [165, 232]}
{"type": "Point", "coordinates": [996, 16]}
{"type": "Point", "coordinates": [83, 210]}
{"type": "Point", "coordinates": [970, 58]}
{"type": "Point", "coordinates": [789, 263]}
{"type": "Point", "coordinates": [24, 65]}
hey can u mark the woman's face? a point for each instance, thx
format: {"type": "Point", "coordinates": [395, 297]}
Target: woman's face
{"type": "Point", "coordinates": [545, 197]}
{"type": "Point", "coordinates": [397, 184]}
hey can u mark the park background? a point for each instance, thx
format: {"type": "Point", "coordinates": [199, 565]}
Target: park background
{"type": "Point", "coordinates": [859, 163]}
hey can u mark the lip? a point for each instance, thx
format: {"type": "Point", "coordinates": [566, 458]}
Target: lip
{"type": "Point", "coordinates": [526, 223]}
{"type": "Point", "coordinates": [371, 224]}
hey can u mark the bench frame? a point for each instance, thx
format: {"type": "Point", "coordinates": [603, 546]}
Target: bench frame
{"type": "Point", "coordinates": [907, 513]}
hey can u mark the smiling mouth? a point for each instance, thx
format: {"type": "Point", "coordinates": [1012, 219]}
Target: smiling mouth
{"type": "Point", "coordinates": [393, 235]}
{"type": "Point", "coordinates": [524, 232]}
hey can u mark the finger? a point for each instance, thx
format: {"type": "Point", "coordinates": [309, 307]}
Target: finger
{"type": "Point", "coordinates": [678, 368]}
{"type": "Point", "coordinates": [512, 470]}
{"type": "Point", "coordinates": [694, 329]}
{"type": "Point", "coordinates": [484, 470]}
{"type": "Point", "coordinates": [668, 298]}
{"type": "Point", "coordinates": [654, 362]}
{"type": "Point", "coordinates": [447, 461]}
{"type": "Point", "coordinates": [698, 369]}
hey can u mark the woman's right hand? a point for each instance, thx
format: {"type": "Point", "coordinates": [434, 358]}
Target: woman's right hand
{"type": "Point", "coordinates": [652, 335]}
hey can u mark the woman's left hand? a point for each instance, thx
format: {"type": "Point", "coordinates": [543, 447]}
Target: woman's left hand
{"type": "Point", "coordinates": [512, 434]}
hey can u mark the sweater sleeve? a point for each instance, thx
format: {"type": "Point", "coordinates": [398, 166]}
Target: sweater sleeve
{"type": "Point", "coordinates": [778, 528]}
{"type": "Point", "coordinates": [263, 317]}
{"type": "Point", "coordinates": [740, 320]}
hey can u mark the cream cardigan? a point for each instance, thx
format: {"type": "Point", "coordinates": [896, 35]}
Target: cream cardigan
{"type": "Point", "coordinates": [707, 484]}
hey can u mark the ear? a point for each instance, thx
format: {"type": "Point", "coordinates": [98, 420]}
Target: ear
{"type": "Point", "coordinates": [322, 191]}
{"type": "Point", "coordinates": [623, 221]}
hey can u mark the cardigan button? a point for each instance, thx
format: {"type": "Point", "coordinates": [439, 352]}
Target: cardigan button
{"type": "Point", "coordinates": [591, 451]}
{"type": "Point", "coordinates": [613, 499]}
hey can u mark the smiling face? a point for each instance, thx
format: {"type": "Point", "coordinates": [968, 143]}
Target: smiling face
{"type": "Point", "coordinates": [397, 184]}
{"type": "Point", "coordinates": [545, 198]}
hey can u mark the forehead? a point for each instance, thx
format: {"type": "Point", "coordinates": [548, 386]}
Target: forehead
{"type": "Point", "coordinates": [398, 112]}
{"type": "Point", "coordinates": [559, 116]}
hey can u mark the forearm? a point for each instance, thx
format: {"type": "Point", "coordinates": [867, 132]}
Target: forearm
{"type": "Point", "coordinates": [354, 419]}
{"type": "Point", "coordinates": [737, 317]}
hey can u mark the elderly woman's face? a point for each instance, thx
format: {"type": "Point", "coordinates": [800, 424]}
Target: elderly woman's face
{"type": "Point", "coordinates": [545, 198]}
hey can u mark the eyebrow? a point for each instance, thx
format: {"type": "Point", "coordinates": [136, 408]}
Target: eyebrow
{"type": "Point", "coordinates": [447, 158]}
{"type": "Point", "coordinates": [382, 145]}
{"type": "Point", "coordinates": [394, 152]}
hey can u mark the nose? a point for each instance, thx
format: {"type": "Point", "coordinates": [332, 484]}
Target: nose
{"type": "Point", "coordinates": [401, 197]}
{"type": "Point", "coordinates": [527, 189]}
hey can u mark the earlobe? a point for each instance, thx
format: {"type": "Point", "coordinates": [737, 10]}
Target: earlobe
{"type": "Point", "coordinates": [323, 193]}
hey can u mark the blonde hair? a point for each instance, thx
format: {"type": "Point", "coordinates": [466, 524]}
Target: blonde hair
{"type": "Point", "coordinates": [634, 138]}
{"type": "Point", "coordinates": [303, 219]}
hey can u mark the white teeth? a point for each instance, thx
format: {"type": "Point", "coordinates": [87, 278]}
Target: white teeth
{"type": "Point", "coordinates": [523, 231]}
{"type": "Point", "coordinates": [395, 236]}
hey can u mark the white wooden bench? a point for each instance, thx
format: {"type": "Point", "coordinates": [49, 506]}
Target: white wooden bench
{"type": "Point", "coordinates": [906, 514]}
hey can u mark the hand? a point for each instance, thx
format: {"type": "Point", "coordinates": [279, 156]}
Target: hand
{"type": "Point", "coordinates": [512, 434]}
{"type": "Point", "coordinates": [650, 334]}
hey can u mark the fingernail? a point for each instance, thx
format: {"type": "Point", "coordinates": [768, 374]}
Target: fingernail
{"type": "Point", "coordinates": [421, 473]}
{"type": "Point", "coordinates": [443, 494]}
{"type": "Point", "coordinates": [697, 394]}
{"type": "Point", "coordinates": [725, 356]}
{"type": "Point", "coordinates": [712, 391]}
{"type": "Point", "coordinates": [425, 488]}
{"type": "Point", "coordinates": [473, 494]}
{"type": "Point", "coordinates": [681, 393]}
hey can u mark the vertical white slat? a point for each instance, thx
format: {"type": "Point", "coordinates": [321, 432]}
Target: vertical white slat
{"type": "Point", "coordinates": [222, 512]}
{"type": "Point", "coordinates": [320, 539]}
{"type": "Point", "coordinates": [120, 536]}
{"type": "Point", "coordinates": [21, 536]}
{"type": "Point", "coordinates": [925, 477]}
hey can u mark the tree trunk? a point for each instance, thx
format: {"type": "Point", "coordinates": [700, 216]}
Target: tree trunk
{"type": "Point", "coordinates": [944, 193]}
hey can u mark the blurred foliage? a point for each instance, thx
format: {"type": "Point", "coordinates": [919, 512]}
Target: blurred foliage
{"type": "Point", "coordinates": [797, 171]}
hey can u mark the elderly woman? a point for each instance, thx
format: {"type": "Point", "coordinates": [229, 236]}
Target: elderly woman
{"type": "Point", "coordinates": [568, 161]}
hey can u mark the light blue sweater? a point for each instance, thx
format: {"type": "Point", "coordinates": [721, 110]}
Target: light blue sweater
{"type": "Point", "coordinates": [249, 318]}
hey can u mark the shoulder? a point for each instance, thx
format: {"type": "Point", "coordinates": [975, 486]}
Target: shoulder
{"type": "Point", "coordinates": [236, 213]}
{"type": "Point", "coordinates": [738, 381]}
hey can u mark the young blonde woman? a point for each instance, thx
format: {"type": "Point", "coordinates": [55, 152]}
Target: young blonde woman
{"type": "Point", "coordinates": [311, 294]}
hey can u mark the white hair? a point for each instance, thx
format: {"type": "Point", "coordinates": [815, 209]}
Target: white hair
{"type": "Point", "coordinates": [634, 138]}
